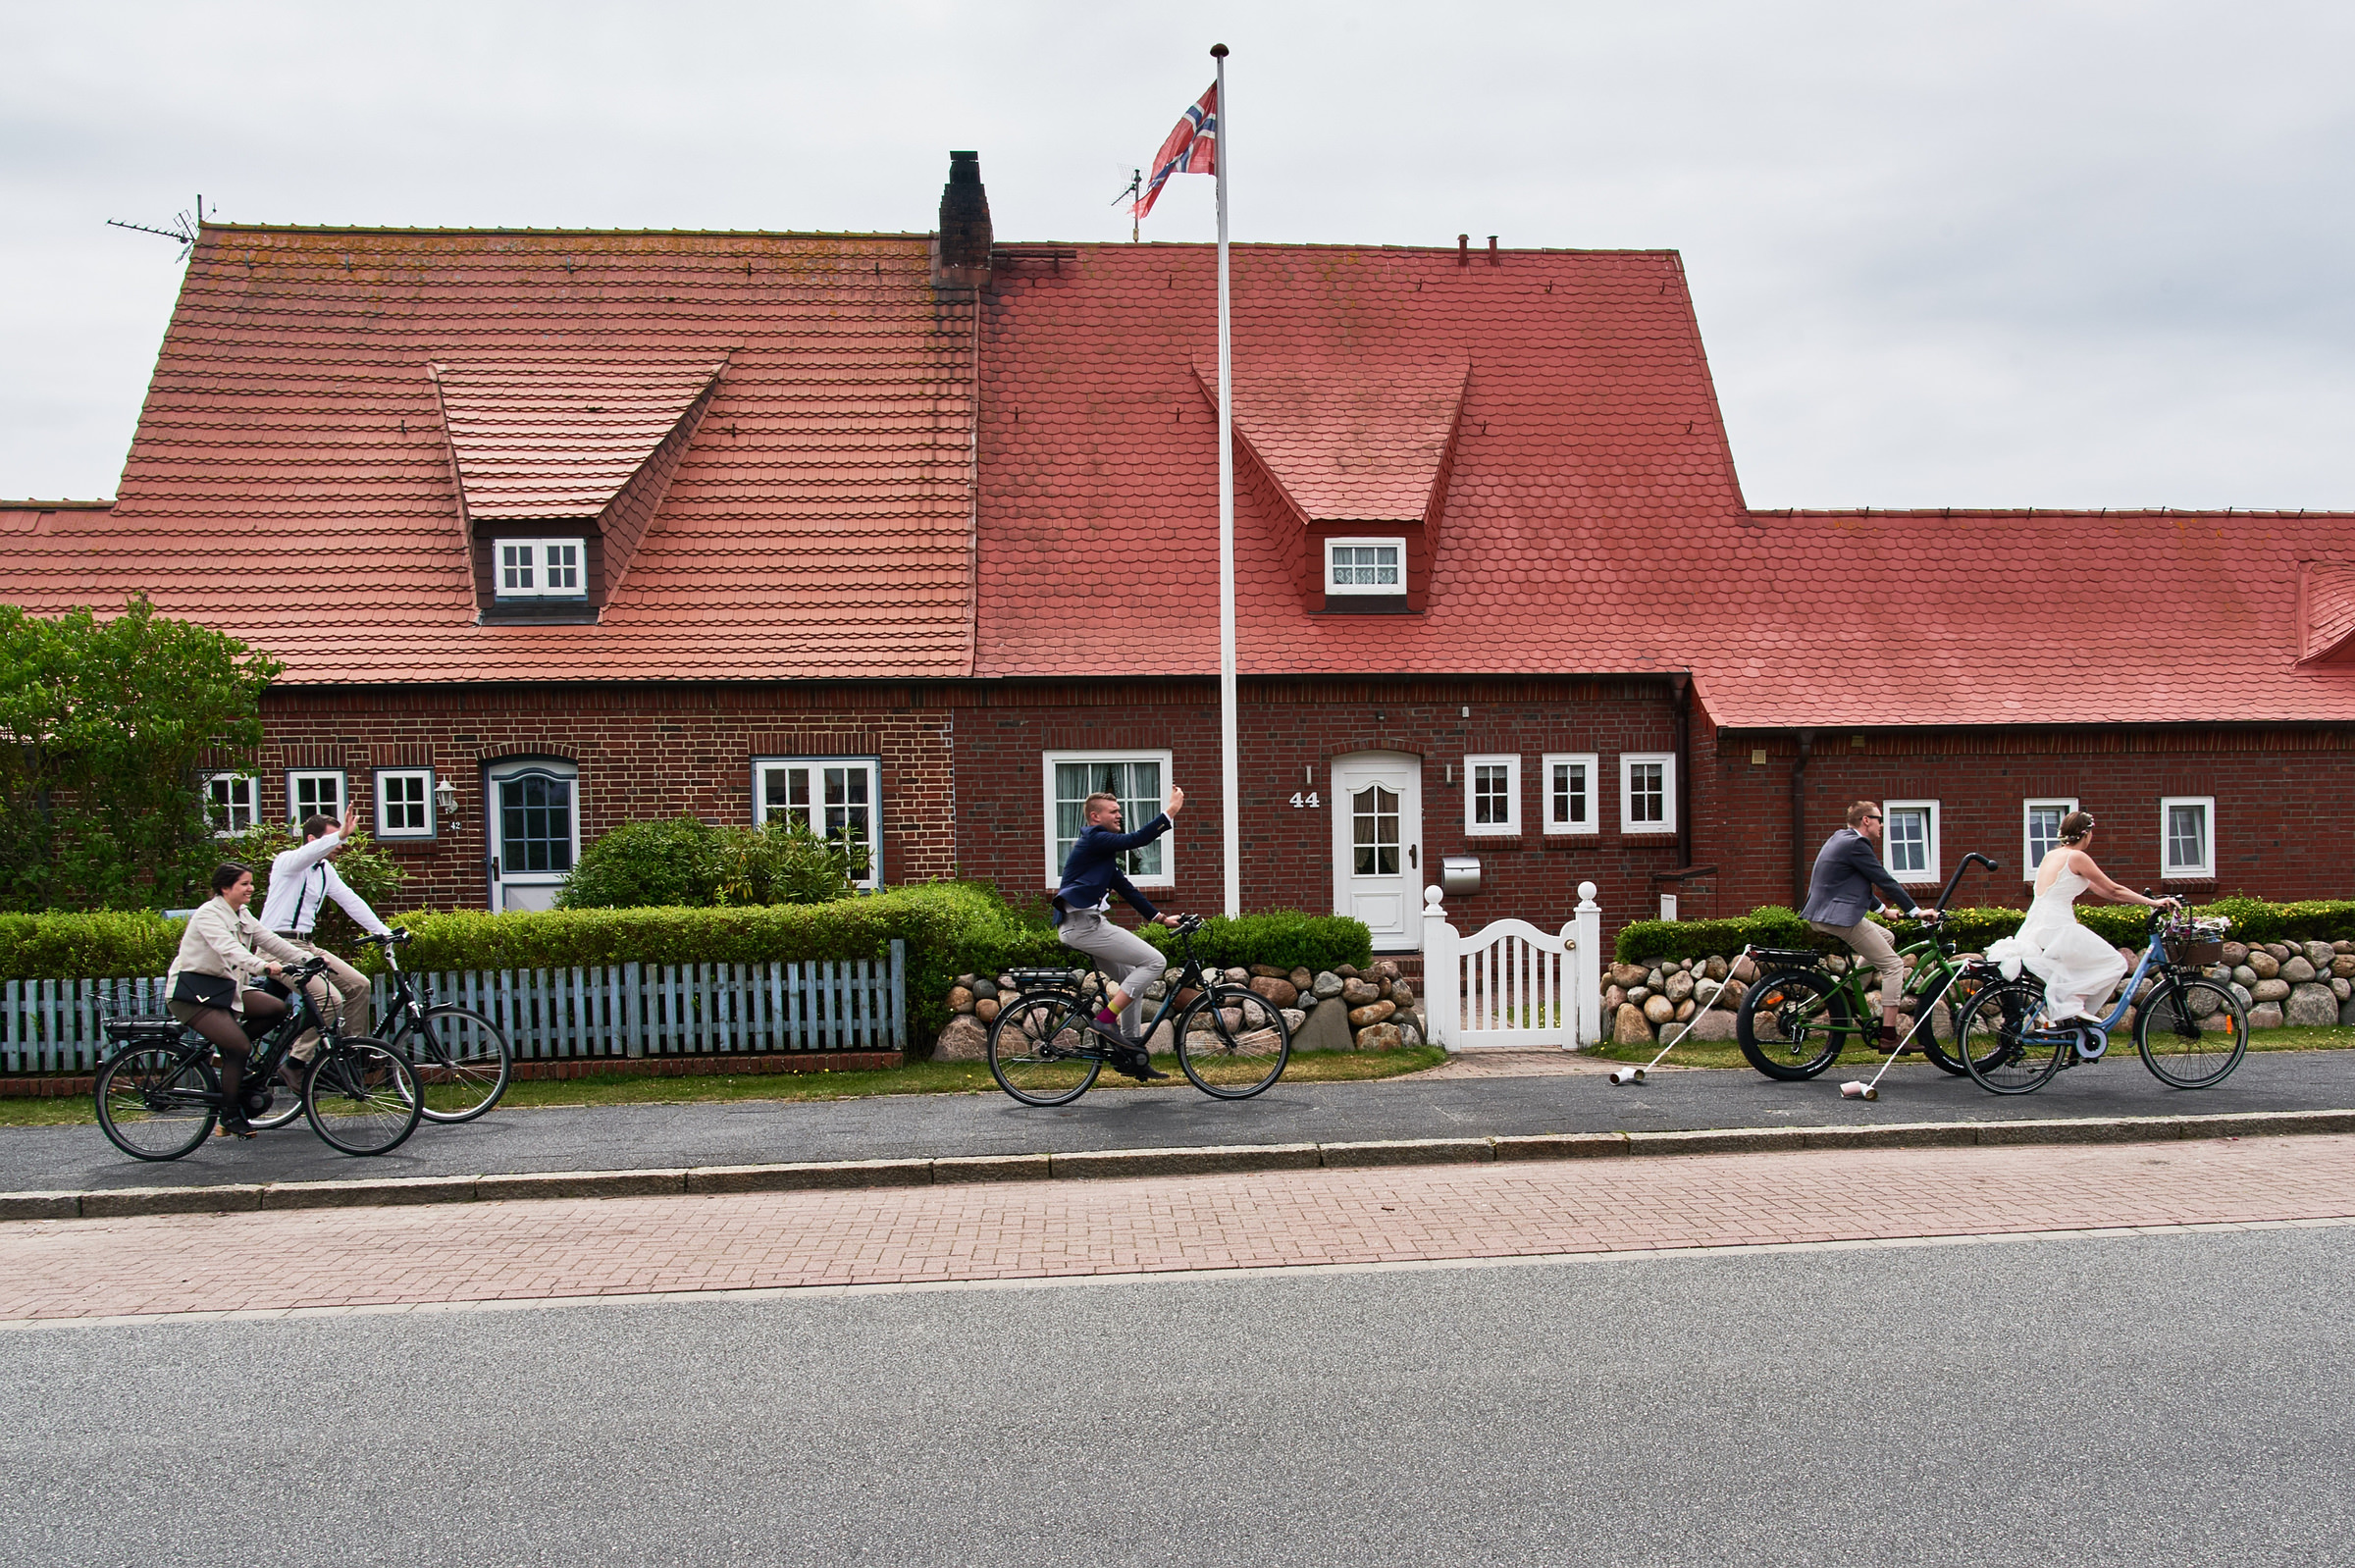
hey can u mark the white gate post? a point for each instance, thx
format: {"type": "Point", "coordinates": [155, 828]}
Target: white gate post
{"type": "Point", "coordinates": [1585, 928]}
{"type": "Point", "coordinates": [1442, 975]}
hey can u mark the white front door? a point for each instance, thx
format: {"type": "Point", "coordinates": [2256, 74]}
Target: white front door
{"type": "Point", "coordinates": [1378, 846]}
{"type": "Point", "coordinates": [535, 830]}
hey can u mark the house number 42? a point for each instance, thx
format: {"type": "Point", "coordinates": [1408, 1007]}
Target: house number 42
{"type": "Point", "coordinates": [1310, 799]}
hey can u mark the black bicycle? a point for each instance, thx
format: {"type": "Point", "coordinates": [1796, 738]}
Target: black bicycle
{"type": "Point", "coordinates": [461, 1057]}
{"type": "Point", "coordinates": [1046, 1049]}
{"type": "Point", "coordinates": [159, 1095]}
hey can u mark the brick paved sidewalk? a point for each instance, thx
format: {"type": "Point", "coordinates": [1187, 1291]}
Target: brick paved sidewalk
{"type": "Point", "coordinates": [627, 1246]}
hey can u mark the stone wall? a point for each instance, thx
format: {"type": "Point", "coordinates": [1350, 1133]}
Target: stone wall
{"type": "Point", "coordinates": [1333, 1010]}
{"type": "Point", "coordinates": [2281, 983]}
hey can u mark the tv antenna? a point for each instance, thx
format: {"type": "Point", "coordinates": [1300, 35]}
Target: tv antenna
{"type": "Point", "coordinates": [1132, 193]}
{"type": "Point", "coordinates": [185, 229]}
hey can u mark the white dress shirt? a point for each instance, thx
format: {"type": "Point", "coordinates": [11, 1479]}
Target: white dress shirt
{"type": "Point", "coordinates": [302, 880]}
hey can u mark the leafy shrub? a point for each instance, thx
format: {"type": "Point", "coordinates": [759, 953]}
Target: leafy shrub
{"type": "Point", "coordinates": [647, 865]}
{"type": "Point", "coordinates": [1770, 925]}
{"type": "Point", "coordinates": [779, 862]}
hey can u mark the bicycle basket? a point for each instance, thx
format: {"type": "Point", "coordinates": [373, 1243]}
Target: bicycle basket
{"type": "Point", "coordinates": [2195, 949]}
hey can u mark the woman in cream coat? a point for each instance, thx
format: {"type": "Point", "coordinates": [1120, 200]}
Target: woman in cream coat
{"type": "Point", "coordinates": [223, 951]}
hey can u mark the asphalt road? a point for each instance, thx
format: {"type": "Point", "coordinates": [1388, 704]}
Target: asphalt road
{"type": "Point", "coordinates": [2159, 1400]}
{"type": "Point", "coordinates": [914, 1126]}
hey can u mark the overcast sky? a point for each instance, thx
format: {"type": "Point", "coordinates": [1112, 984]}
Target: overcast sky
{"type": "Point", "coordinates": [2050, 254]}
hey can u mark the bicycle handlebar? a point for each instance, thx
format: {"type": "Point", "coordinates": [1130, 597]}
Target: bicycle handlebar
{"type": "Point", "coordinates": [1955, 880]}
{"type": "Point", "coordinates": [388, 938]}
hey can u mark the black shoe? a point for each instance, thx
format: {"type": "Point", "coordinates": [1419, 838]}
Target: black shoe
{"type": "Point", "coordinates": [1139, 1065]}
{"type": "Point", "coordinates": [233, 1126]}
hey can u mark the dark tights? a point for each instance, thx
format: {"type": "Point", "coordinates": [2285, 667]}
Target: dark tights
{"type": "Point", "coordinates": [221, 1027]}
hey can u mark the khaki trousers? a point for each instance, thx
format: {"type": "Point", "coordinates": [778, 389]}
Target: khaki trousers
{"type": "Point", "coordinates": [351, 994]}
{"type": "Point", "coordinates": [1871, 944]}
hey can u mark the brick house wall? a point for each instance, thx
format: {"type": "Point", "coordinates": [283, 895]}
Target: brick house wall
{"type": "Point", "coordinates": [644, 750]}
{"type": "Point", "coordinates": [1290, 733]}
{"type": "Point", "coordinates": [2282, 798]}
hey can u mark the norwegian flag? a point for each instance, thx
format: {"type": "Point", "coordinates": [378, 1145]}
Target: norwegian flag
{"type": "Point", "coordinates": [1192, 148]}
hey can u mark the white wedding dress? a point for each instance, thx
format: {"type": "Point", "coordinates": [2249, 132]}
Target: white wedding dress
{"type": "Point", "coordinates": [2078, 968]}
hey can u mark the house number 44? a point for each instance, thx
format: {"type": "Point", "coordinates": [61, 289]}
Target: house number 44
{"type": "Point", "coordinates": [1310, 799]}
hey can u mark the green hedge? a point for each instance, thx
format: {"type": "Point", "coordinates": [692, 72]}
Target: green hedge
{"type": "Point", "coordinates": [2123, 925]}
{"type": "Point", "coordinates": [1283, 938]}
{"type": "Point", "coordinates": [110, 942]}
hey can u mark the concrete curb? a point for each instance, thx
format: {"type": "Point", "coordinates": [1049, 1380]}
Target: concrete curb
{"type": "Point", "coordinates": [1104, 1164]}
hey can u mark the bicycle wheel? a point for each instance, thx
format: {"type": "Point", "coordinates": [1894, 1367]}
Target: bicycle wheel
{"type": "Point", "coordinates": [462, 1062]}
{"type": "Point", "coordinates": [1997, 1040]}
{"type": "Point", "coordinates": [1042, 1052]}
{"type": "Point", "coordinates": [1793, 1023]}
{"type": "Point", "coordinates": [158, 1102]}
{"type": "Point", "coordinates": [1234, 1042]}
{"type": "Point", "coordinates": [361, 1095]}
{"type": "Point", "coordinates": [2191, 1032]}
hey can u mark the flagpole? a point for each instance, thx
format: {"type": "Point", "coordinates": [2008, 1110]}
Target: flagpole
{"type": "Point", "coordinates": [1230, 779]}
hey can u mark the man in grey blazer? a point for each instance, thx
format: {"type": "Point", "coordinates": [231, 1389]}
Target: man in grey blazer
{"type": "Point", "coordinates": [1848, 869]}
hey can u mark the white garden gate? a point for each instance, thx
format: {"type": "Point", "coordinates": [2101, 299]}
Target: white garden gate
{"type": "Point", "coordinates": [1511, 986]}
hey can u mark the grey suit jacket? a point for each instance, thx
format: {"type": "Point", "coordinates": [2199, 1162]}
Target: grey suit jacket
{"type": "Point", "coordinates": [1840, 893]}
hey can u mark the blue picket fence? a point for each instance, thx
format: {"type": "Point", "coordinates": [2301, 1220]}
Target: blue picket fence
{"type": "Point", "coordinates": [619, 1010]}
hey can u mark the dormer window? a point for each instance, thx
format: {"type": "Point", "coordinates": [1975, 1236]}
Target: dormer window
{"type": "Point", "coordinates": [539, 568]}
{"type": "Point", "coordinates": [1365, 574]}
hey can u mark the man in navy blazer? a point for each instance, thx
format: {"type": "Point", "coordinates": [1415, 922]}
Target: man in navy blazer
{"type": "Point", "coordinates": [1092, 875]}
{"type": "Point", "coordinates": [1848, 868]}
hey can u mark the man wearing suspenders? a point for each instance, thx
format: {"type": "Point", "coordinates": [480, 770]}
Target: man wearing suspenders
{"type": "Point", "coordinates": [301, 882]}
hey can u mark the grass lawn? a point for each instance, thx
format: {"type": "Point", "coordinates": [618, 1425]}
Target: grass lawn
{"type": "Point", "coordinates": [922, 1077]}
{"type": "Point", "coordinates": [1705, 1054]}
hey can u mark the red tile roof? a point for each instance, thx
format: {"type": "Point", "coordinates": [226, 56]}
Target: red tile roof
{"type": "Point", "coordinates": [1591, 522]}
{"type": "Point", "coordinates": [1354, 442]}
{"type": "Point", "coordinates": [1859, 619]}
{"type": "Point", "coordinates": [1588, 470]}
{"type": "Point", "coordinates": [559, 438]}
{"type": "Point", "coordinates": [289, 481]}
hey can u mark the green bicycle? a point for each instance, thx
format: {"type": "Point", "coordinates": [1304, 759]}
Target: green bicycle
{"type": "Point", "coordinates": [1797, 1016]}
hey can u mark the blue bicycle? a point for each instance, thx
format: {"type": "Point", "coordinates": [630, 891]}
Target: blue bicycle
{"type": "Point", "coordinates": [2189, 1027]}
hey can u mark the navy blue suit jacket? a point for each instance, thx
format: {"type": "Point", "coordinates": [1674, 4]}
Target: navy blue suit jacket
{"type": "Point", "coordinates": [1094, 868]}
{"type": "Point", "coordinates": [1840, 893]}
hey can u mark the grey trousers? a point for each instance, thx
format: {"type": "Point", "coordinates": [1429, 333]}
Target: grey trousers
{"type": "Point", "coordinates": [1130, 959]}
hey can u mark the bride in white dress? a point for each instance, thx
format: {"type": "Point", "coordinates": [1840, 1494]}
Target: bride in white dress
{"type": "Point", "coordinates": [2078, 968]}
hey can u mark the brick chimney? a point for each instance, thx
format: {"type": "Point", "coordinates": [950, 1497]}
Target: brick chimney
{"type": "Point", "coordinates": [960, 251]}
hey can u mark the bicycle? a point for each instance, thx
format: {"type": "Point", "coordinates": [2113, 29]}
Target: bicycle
{"type": "Point", "coordinates": [1047, 1048]}
{"type": "Point", "coordinates": [159, 1095]}
{"type": "Point", "coordinates": [461, 1057]}
{"type": "Point", "coordinates": [1797, 1016]}
{"type": "Point", "coordinates": [2190, 1028]}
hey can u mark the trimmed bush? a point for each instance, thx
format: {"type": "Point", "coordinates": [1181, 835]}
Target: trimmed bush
{"type": "Point", "coordinates": [97, 946]}
{"type": "Point", "coordinates": [1285, 939]}
{"type": "Point", "coordinates": [647, 865]}
{"type": "Point", "coordinates": [2121, 924]}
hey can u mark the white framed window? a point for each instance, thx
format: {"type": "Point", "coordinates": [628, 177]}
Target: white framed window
{"type": "Point", "coordinates": [1359, 567]}
{"type": "Point", "coordinates": [830, 796]}
{"type": "Point", "coordinates": [1491, 794]}
{"type": "Point", "coordinates": [404, 802]}
{"type": "Point", "coordinates": [228, 803]}
{"type": "Point", "coordinates": [1566, 792]}
{"type": "Point", "coordinates": [315, 792]}
{"type": "Point", "coordinates": [1647, 792]}
{"type": "Point", "coordinates": [2187, 836]}
{"type": "Point", "coordinates": [1139, 780]}
{"type": "Point", "coordinates": [2040, 831]}
{"type": "Point", "coordinates": [538, 568]}
{"type": "Point", "coordinates": [1910, 840]}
